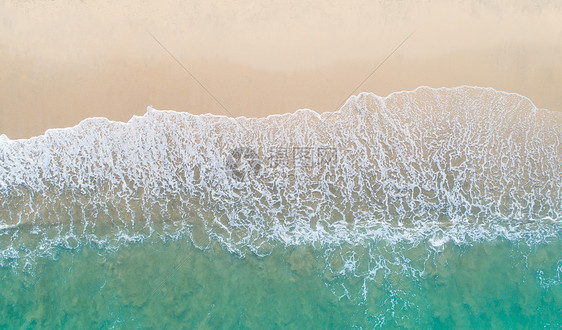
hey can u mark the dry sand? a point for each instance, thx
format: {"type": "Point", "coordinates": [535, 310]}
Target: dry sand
{"type": "Point", "coordinates": [64, 61]}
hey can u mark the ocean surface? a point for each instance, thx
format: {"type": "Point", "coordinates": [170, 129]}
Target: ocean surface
{"type": "Point", "coordinates": [429, 208]}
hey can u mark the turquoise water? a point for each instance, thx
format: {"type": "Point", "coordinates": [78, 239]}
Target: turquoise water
{"type": "Point", "coordinates": [496, 284]}
{"type": "Point", "coordinates": [435, 208]}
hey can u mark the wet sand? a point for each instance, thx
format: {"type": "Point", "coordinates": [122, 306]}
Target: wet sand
{"type": "Point", "coordinates": [62, 62]}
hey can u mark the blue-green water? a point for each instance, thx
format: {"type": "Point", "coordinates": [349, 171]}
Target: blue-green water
{"type": "Point", "coordinates": [433, 208]}
{"type": "Point", "coordinates": [496, 284]}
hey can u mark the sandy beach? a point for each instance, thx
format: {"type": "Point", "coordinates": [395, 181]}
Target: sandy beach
{"type": "Point", "coordinates": [62, 62]}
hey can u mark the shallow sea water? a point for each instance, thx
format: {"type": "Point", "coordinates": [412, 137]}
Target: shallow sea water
{"type": "Point", "coordinates": [498, 284]}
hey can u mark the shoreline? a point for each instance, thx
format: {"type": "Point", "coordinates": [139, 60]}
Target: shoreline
{"type": "Point", "coordinates": [37, 99]}
{"type": "Point", "coordinates": [265, 117]}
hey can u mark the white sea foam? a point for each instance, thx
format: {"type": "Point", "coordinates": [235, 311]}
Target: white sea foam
{"type": "Point", "coordinates": [445, 165]}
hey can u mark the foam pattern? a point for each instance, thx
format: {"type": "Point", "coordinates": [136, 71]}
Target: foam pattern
{"type": "Point", "coordinates": [442, 165]}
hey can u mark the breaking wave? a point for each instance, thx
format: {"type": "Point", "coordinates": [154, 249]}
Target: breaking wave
{"type": "Point", "coordinates": [442, 165]}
